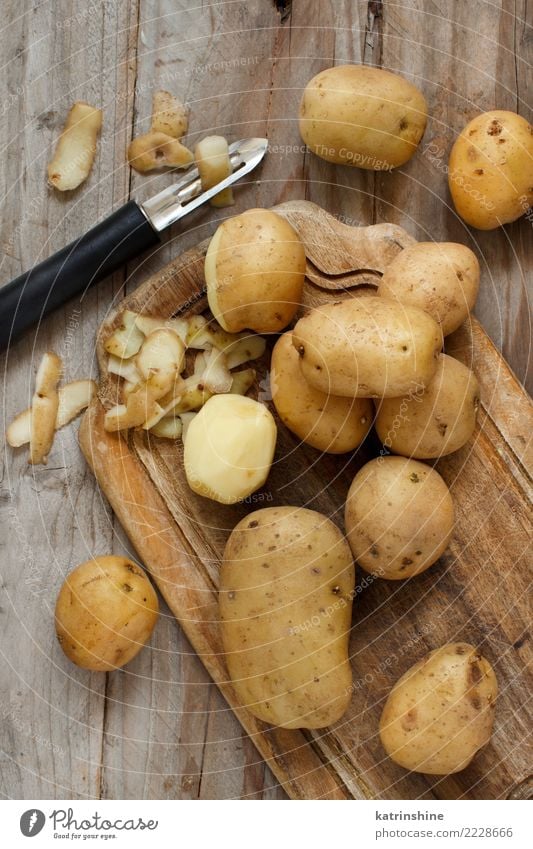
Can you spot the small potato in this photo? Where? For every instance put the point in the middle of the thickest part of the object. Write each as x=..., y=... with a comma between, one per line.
x=254, y=270
x=440, y=713
x=440, y=278
x=74, y=154
x=367, y=348
x=229, y=448
x=436, y=421
x=105, y=613
x=362, y=116
x=490, y=171
x=286, y=592
x=399, y=517
x=327, y=422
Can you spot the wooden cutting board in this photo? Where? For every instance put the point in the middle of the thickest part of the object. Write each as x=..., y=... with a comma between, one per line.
x=477, y=592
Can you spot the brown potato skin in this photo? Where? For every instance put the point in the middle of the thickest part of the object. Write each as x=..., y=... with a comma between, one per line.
x=490, y=171
x=367, y=347
x=286, y=592
x=105, y=613
x=441, y=278
x=441, y=712
x=362, y=116
x=260, y=269
x=327, y=422
x=435, y=422
x=399, y=517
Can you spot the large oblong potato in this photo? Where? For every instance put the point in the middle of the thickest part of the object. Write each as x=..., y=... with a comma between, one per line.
x=327, y=422
x=441, y=712
x=441, y=278
x=105, y=613
x=254, y=270
x=490, y=171
x=286, y=591
x=399, y=517
x=362, y=116
x=435, y=422
x=367, y=347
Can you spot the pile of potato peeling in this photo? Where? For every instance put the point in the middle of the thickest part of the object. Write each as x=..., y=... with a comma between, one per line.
x=287, y=580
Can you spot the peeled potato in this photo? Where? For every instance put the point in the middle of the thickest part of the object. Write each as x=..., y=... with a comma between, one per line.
x=105, y=613
x=254, y=270
x=327, y=422
x=229, y=448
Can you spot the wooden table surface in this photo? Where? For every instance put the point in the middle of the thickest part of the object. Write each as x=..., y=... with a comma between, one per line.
x=159, y=728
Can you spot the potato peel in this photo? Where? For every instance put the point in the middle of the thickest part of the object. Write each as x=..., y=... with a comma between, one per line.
x=44, y=408
x=76, y=148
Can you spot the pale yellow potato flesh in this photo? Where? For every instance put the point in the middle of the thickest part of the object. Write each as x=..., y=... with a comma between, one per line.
x=490, y=171
x=441, y=712
x=162, y=352
x=367, y=347
x=436, y=421
x=229, y=448
x=72, y=399
x=441, y=278
x=254, y=270
x=44, y=407
x=105, y=613
x=74, y=154
x=211, y=155
x=362, y=116
x=327, y=422
x=157, y=150
x=285, y=598
x=399, y=517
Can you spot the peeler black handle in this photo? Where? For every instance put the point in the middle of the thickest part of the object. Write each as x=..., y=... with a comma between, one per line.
x=30, y=297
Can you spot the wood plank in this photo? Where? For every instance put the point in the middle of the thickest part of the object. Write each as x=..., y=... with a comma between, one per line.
x=52, y=713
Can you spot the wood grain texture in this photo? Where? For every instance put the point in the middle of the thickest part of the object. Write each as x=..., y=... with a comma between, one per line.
x=180, y=537
x=241, y=66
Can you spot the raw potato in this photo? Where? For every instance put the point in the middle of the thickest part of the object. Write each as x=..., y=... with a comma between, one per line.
x=74, y=154
x=44, y=407
x=72, y=399
x=362, y=116
x=169, y=115
x=440, y=278
x=367, y=347
x=105, y=613
x=326, y=422
x=157, y=150
x=254, y=270
x=286, y=592
x=435, y=422
x=399, y=517
x=440, y=713
x=212, y=158
x=229, y=448
x=490, y=171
